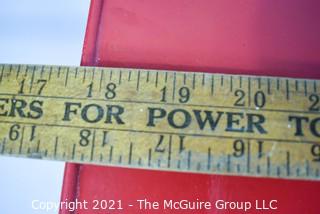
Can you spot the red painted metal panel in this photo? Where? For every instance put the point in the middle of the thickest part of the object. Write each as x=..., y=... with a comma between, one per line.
x=274, y=37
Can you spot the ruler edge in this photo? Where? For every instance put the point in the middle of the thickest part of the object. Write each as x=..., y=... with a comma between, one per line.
x=161, y=70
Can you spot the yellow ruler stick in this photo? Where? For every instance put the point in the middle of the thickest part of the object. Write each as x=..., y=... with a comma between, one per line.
x=152, y=119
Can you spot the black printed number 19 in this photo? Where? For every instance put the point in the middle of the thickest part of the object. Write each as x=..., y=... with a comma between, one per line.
x=184, y=94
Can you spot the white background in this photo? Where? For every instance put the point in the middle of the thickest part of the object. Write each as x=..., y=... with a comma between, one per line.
x=37, y=32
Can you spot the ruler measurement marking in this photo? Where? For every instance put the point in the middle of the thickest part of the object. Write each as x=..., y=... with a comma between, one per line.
x=258, y=169
x=130, y=154
x=25, y=71
x=38, y=146
x=174, y=87
x=148, y=74
x=50, y=73
x=32, y=79
x=129, y=76
x=59, y=71
x=269, y=86
x=268, y=165
x=3, y=145
x=259, y=82
x=278, y=171
x=278, y=84
x=110, y=76
x=203, y=79
x=138, y=81
x=179, y=164
x=41, y=72
x=231, y=84
x=110, y=154
x=73, y=151
x=55, y=147
x=149, y=157
x=194, y=81
x=238, y=168
x=1, y=75
x=189, y=160
x=139, y=161
x=288, y=163
x=10, y=70
x=305, y=88
x=314, y=86
x=248, y=157
x=93, y=145
x=168, y=133
x=212, y=75
x=287, y=90
x=21, y=141
x=18, y=71
x=157, y=76
x=212, y=84
x=228, y=163
x=291, y=141
x=307, y=168
x=218, y=166
x=9, y=73
x=101, y=79
x=84, y=75
x=76, y=73
x=66, y=79
x=166, y=77
x=169, y=151
x=296, y=85
x=93, y=74
x=209, y=159
x=120, y=76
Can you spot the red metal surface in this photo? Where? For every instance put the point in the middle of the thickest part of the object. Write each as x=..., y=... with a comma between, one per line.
x=274, y=37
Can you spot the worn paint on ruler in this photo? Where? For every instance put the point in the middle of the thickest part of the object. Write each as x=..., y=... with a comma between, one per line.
x=188, y=122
